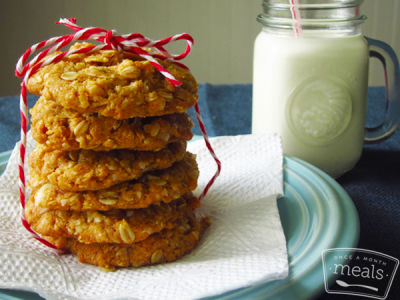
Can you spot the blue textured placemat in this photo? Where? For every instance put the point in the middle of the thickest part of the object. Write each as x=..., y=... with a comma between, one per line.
x=226, y=110
x=10, y=120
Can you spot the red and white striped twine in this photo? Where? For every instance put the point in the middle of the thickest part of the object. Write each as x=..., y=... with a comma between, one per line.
x=210, y=149
x=133, y=42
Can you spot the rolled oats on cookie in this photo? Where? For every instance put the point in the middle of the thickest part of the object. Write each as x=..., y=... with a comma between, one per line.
x=65, y=129
x=165, y=246
x=87, y=170
x=153, y=187
x=114, y=84
x=114, y=226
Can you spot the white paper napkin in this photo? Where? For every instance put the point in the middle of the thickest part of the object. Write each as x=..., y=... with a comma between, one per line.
x=245, y=244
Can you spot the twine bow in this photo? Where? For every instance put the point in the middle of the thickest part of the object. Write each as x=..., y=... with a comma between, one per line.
x=133, y=42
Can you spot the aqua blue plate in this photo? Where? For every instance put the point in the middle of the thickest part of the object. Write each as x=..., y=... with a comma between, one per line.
x=316, y=214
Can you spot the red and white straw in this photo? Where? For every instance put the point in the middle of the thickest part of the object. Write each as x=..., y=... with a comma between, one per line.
x=296, y=18
x=133, y=42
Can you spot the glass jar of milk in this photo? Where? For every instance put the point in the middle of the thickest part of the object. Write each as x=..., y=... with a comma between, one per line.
x=311, y=79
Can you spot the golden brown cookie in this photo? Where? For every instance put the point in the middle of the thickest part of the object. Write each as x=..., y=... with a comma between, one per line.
x=152, y=188
x=65, y=129
x=165, y=246
x=85, y=170
x=115, y=84
x=114, y=226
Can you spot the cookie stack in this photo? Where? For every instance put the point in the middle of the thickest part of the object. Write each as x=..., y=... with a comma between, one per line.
x=111, y=178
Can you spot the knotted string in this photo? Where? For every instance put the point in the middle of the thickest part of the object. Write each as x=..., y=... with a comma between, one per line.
x=108, y=39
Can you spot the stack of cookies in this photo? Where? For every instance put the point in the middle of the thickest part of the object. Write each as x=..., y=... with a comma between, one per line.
x=111, y=178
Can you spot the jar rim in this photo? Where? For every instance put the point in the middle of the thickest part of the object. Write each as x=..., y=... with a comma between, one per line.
x=269, y=21
x=312, y=14
x=307, y=4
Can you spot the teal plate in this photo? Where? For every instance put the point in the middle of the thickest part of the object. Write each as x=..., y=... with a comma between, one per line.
x=316, y=214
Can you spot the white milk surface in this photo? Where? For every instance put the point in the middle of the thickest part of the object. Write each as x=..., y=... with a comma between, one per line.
x=312, y=91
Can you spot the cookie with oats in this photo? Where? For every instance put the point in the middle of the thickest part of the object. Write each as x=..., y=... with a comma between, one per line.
x=113, y=226
x=152, y=188
x=115, y=84
x=86, y=170
x=165, y=246
x=65, y=129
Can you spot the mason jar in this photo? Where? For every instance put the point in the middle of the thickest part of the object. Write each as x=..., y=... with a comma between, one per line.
x=310, y=81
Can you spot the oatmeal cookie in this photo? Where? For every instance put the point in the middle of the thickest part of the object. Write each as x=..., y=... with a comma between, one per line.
x=115, y=84
x=165, y=246
x=84, y=170
x=113, y=226
x=65, y=129
x=152, y=188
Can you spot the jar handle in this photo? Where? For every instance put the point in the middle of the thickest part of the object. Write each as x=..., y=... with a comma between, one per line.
x=388, y=58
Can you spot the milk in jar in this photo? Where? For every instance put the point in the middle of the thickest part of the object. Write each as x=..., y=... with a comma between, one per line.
x=310, y=80
x=312, y=90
